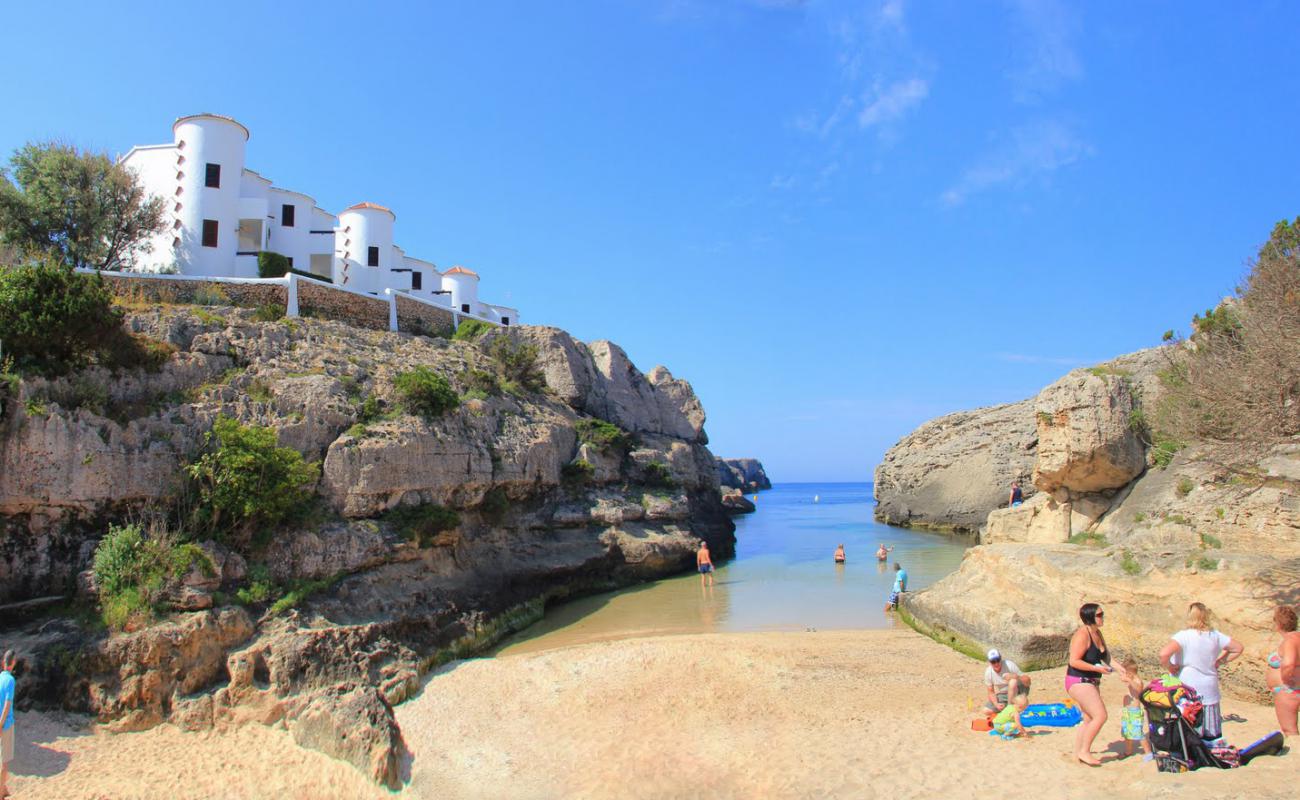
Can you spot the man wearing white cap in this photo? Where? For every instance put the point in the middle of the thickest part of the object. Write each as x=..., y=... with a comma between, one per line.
x=1004, y=681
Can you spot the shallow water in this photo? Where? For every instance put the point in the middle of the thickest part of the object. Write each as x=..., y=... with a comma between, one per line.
x=782, y=578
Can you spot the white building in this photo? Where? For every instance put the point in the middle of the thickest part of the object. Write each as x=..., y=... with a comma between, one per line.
x=220, y=215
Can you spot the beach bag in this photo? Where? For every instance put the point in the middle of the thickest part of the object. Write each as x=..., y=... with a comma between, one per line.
x=1171, y=763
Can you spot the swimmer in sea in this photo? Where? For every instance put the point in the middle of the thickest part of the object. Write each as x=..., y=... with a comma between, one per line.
x=839, y=554
x=882, y=553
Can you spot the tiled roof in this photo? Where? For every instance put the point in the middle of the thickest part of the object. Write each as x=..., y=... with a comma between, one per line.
x=374, y=206
x=461, y=271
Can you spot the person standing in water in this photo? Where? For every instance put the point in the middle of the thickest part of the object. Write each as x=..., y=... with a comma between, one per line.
x=900, y=586
x=839, y=554
x=704, y=564
x=882, y=552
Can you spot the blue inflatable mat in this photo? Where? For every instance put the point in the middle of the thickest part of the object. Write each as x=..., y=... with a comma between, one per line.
x=1051, y=715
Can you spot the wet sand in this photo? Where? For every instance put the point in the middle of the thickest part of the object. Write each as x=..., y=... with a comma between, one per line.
x=858, y=714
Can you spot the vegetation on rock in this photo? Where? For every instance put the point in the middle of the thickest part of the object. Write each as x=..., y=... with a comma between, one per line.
x=425, y=392
x=517, y=361
x=133, y=570
x=470, y=329
x=246, y=480
x=604, y=436
x=422, y=524
x=1236, y=383
x=577, y=472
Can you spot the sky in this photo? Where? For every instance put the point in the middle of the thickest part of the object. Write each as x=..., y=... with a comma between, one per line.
x=835, y=219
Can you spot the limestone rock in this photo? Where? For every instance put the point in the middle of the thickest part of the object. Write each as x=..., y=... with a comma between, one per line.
x=735, y=502
x=1041, y=520
x=353, y=723
x=952, y=471
x=332, y=549
x=1086, y=441
x=745, y=474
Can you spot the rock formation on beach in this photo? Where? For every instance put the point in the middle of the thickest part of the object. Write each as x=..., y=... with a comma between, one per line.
x=540, y=513
x=1112, y=523
x=745, y=474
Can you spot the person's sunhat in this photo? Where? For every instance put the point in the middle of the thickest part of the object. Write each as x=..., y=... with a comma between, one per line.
x=994, y=655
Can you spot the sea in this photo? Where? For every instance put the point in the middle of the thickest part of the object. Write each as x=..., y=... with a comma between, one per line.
x=783, y=578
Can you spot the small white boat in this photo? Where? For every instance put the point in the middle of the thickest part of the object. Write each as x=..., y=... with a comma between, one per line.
x=817, y=498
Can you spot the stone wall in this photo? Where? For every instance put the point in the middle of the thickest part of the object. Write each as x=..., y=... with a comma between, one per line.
x=414, y=316
x=134, y=289
x=315, y=300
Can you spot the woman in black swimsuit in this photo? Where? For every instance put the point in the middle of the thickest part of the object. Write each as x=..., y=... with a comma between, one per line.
x=1089, y=660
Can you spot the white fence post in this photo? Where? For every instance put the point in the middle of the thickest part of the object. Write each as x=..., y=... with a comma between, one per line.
x=291, y=299
x=392, y=309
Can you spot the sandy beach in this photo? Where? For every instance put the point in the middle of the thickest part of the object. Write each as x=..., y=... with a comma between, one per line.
x=817, y=714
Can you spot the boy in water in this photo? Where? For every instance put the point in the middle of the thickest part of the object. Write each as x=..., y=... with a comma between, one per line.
x=900, y=586
x=705, y=564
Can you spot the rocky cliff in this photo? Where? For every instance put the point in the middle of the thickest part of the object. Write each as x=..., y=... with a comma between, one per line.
x=745, y=474
x=542, y=514
x=1111, y=523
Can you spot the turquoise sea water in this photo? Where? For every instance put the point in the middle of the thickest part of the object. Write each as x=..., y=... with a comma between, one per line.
x=782, y=578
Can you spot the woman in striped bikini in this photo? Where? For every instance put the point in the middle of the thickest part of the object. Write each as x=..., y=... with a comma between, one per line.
x=1283, y=674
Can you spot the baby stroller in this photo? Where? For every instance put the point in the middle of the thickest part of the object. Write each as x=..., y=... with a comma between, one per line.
x=1173, y=713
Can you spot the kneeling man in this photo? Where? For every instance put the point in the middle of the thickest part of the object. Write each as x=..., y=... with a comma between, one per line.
x=1004, y=681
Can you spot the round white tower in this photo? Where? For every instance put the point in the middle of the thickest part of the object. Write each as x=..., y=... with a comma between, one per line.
x=210, y=163
x=463, y=285
x=365, y=247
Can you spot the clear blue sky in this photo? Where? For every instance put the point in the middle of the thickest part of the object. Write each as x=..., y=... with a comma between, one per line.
x=836, y=220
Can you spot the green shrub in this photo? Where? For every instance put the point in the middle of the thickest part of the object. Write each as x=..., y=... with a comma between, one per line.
x=576, y=472
x=133, y=570
x=422, y=524
x=604, y=436
x=1129, y=564
x=1177, y=519
x=1184, y=486
x=1163, y=450
x=1137, y=421
x=1139, y=516
x=518, y=364
x=54, y=319
x=470, y=329
x=271, y=265
x=270, y=312
x=480, y=383
x=259, y=390
x=300, y=590
x=494, y=504
x=35, y=407
x=1210, y=541
x=425, y=392
x=1218, y=512
x=1203, y=563
x=1089, y=539
x=260, y=588
x=1044, y=419
x=246, y=480
x=369, y=410
x=657, y=474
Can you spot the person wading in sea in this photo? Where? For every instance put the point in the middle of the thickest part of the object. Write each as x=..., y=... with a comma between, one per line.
x=704, y=564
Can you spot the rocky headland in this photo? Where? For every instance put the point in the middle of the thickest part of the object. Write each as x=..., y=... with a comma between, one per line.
x=539, y=510
x=745, y=474
x=1110, y=517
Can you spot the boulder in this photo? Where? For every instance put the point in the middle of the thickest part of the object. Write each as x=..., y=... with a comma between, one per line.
x=351, y=722
x=1040, y=520
x=735, y=502
x=1086, y=437
x=952, y=471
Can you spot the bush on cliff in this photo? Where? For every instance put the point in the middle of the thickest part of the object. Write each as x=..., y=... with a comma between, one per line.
x=246, y=480
x=55, y=319
x=422, y=524
x=470, y=329
x=577, y=472
x=133, y=570
x=604, y=436
x=518, y=364
x=1238, y=383
x=425, y=392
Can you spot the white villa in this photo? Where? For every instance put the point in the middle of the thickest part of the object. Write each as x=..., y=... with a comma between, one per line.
x=221, y=215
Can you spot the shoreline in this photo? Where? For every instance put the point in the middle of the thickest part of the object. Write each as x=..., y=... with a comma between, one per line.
x=859, y=713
